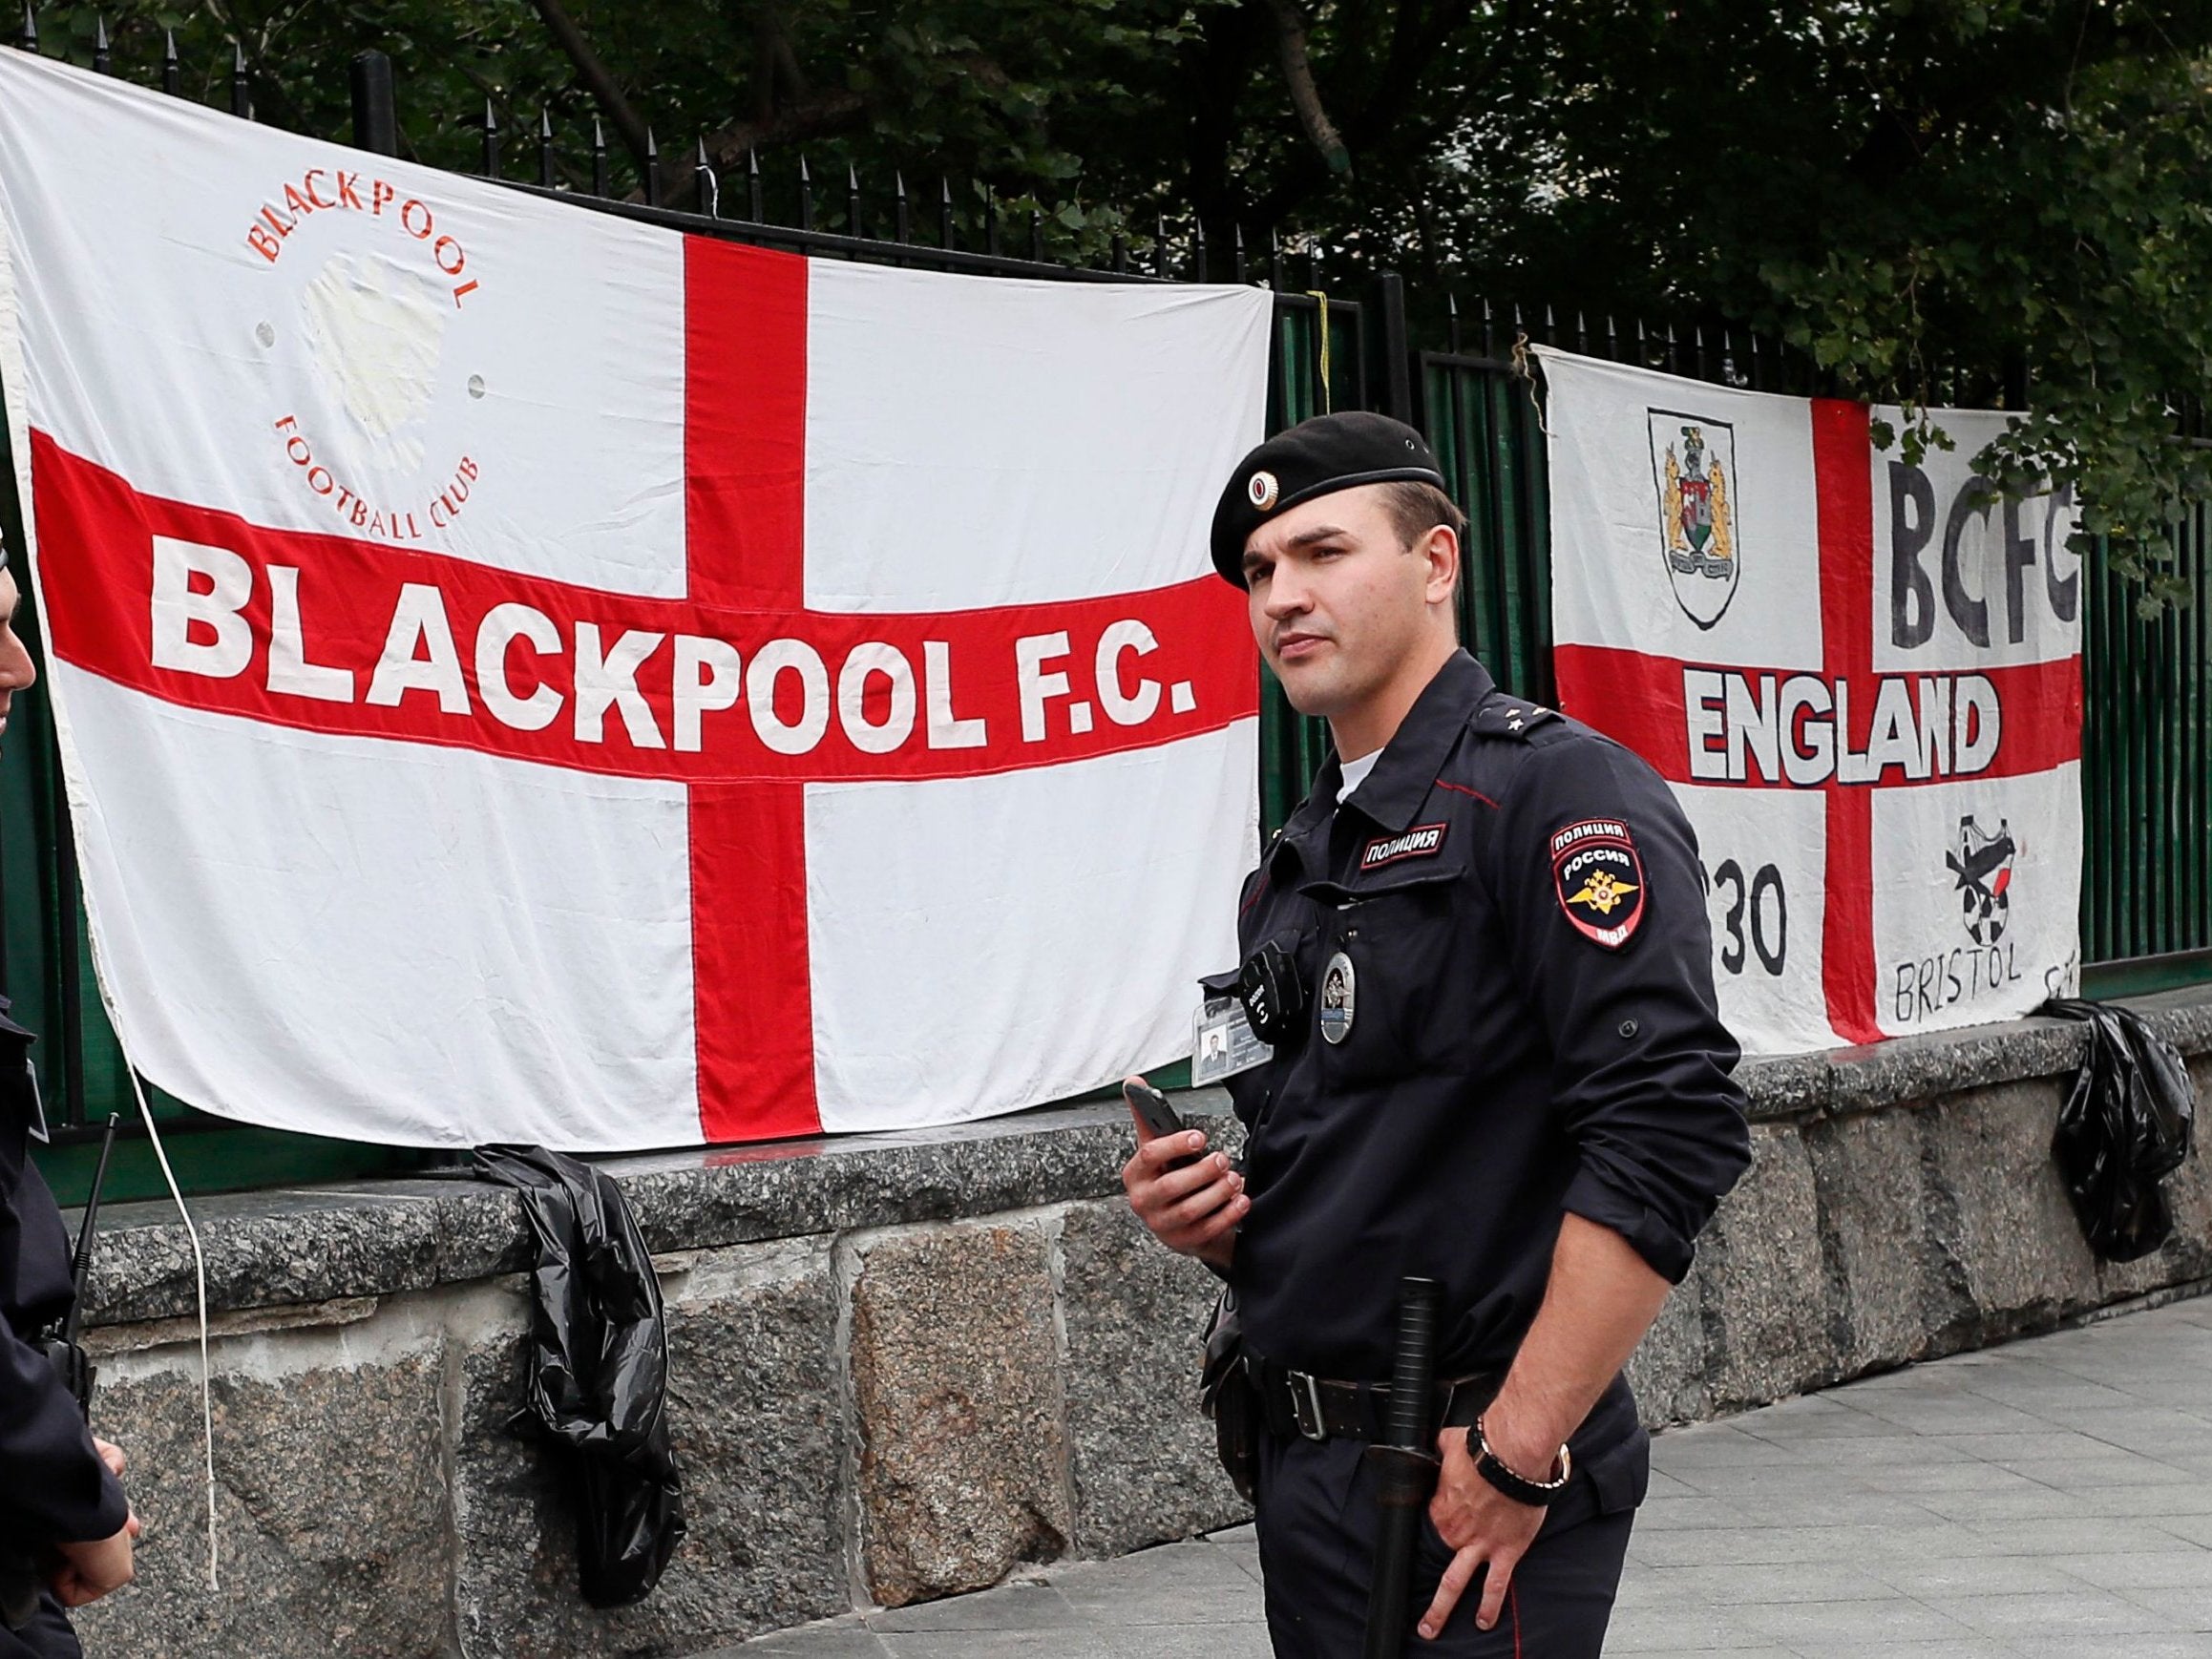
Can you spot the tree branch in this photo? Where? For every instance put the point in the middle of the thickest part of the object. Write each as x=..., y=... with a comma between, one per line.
x=596, y=79
x=1305, y=96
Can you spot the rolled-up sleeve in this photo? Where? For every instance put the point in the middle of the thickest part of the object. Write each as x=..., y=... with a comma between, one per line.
x=1611, y=939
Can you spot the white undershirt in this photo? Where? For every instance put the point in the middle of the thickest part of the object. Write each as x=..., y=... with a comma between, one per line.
x=1355, y=773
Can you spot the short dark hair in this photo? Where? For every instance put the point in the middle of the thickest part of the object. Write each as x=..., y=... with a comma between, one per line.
x=1415, y=509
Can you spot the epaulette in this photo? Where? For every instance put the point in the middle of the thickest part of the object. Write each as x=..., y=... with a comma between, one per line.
x=1513, y=718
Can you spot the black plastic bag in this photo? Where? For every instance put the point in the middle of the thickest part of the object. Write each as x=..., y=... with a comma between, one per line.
x=2127, y=1124
x=598, y=1368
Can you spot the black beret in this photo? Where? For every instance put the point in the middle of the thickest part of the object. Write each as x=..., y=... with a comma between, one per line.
x=1316, y=458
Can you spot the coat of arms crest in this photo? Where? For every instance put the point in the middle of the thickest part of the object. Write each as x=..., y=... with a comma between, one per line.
x=1694, y=467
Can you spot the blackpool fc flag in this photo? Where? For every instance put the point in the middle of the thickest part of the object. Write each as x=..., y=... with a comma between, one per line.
x=526, y=675
x=1860, y=674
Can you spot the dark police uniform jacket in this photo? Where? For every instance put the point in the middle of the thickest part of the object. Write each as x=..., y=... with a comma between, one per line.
x=53, y=1484
x=1516, y=903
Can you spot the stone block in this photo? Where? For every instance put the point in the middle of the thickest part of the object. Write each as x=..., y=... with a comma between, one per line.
x=1761, y=1281
x=2188, y=1253
x=1887, y=1287
x=752, y=1402
x=1142, y=1452
x=1668, y=1368
x=1786, y=1085
x=331, y=1499
x=955, y=1365
x=1999, y=1214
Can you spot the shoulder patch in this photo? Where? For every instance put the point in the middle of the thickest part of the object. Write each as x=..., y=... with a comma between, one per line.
x=1510, y=717
x=1422, y=841
x=1598, y=879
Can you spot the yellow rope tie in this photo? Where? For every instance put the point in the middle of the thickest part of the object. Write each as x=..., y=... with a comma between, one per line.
x=1322, y=299
x=1524, y=368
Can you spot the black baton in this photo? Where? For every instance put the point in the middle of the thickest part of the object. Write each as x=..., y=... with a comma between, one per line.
x=1405, y=1466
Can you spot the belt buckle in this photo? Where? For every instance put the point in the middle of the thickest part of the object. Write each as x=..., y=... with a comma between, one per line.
x=1306, y=1404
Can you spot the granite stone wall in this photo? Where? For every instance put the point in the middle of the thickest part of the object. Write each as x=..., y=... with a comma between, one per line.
x=903, y=1367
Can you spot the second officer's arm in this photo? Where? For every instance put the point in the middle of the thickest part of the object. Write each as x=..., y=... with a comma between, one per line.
x=1641, y=1087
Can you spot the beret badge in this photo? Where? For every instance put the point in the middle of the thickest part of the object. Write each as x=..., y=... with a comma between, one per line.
x=1263, y=489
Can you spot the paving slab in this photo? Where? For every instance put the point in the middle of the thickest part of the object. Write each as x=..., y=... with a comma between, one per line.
x=2048, y=1500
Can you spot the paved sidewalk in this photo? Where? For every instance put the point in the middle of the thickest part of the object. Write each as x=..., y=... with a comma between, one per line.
x=2048, y=1500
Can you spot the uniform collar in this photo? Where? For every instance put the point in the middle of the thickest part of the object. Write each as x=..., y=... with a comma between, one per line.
x=1401, y=779
x=1416, y=752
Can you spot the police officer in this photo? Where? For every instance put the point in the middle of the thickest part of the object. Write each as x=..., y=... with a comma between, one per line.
x=1480, y=952
x=63, y=1514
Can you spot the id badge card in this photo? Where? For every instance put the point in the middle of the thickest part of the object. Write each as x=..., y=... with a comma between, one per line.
x=1223, y=1044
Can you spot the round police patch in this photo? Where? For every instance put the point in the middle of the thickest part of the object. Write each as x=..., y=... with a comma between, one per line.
x=1340, y=998
x=1600, y=880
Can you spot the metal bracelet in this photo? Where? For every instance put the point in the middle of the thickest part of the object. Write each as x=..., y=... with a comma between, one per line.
x=1564, y=1463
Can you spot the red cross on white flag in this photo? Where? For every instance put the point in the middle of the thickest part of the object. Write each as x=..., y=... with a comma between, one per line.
x=1861, y=676
x=526, y=675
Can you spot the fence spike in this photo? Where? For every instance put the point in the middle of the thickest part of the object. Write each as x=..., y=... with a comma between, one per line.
x=599, y=157
x=900, y=213
x=1756, y=377
x=1237, y=247
x=1159, y=245
x=1120, y=255
x=490, y=140
x=990, y=221
x=1551, y=324
x=1036, y=237
x=1520, y=328
x=545, y=173
x=752, y=186
x=1674, y=353
x=30, y=29
x=172, y=68
x=652, y=170
x=1489, y=329
x=1613, y=339
x=240, y=89
x=1581, y=332
x=1697, y=351
x=1275, y=261
x=944, y=211
x=709, y=186
x=806, y=194
x=101, y=61
x=1728, y=357
x=1198, y=249
x=1451, y=314
x=852, y=226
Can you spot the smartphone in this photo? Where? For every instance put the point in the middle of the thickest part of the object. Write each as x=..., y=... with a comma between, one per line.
x=1153, y=1110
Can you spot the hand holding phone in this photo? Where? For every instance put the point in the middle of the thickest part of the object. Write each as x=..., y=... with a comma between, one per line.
x=1191, y=1199
x=1155, y=1112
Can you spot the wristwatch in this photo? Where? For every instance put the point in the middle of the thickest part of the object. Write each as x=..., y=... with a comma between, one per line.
x=1536, y=1494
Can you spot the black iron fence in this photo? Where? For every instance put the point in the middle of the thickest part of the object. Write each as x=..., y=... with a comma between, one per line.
x=1338, y=342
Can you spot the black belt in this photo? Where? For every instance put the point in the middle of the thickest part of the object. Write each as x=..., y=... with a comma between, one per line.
x=1321, y=1408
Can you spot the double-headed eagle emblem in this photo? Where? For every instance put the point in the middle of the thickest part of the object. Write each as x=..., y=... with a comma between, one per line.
x=1602, y=892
